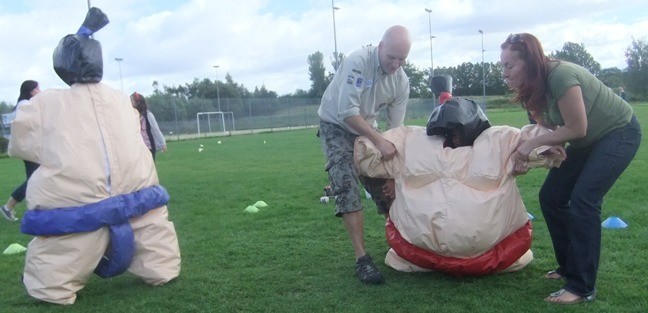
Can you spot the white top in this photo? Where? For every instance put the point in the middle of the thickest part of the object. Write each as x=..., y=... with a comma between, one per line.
x=9, y=117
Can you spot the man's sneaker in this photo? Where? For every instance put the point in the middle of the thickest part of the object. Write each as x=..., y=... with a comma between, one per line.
x=8, y=213
x=367, y=271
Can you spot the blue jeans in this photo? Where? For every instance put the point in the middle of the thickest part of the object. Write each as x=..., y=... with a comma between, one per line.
x=571, y=199
x=19, y=193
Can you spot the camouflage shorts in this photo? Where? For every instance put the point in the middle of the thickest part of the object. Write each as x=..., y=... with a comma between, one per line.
x=337, y=145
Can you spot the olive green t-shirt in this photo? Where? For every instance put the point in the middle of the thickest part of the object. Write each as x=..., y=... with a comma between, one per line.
x=605, y=110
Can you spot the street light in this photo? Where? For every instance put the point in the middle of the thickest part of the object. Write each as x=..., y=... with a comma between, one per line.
x=119, y=60
x=483, y=71
x=431, y=37
x=217, y=91
x=337, y=62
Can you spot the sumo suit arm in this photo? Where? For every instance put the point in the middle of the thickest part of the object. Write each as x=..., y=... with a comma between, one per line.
x=27, y=132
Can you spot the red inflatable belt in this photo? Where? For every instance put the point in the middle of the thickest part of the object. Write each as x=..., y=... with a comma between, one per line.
x=501, y=256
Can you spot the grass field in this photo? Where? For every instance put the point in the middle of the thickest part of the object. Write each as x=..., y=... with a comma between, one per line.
x=294, y=256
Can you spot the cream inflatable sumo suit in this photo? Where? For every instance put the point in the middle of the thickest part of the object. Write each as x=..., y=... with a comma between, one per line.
x=95, y=203
x=456, y=210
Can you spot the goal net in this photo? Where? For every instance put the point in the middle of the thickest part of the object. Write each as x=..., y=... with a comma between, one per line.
x=214, y=122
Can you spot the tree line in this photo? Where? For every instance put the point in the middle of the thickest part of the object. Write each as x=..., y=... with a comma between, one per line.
x=184, y=101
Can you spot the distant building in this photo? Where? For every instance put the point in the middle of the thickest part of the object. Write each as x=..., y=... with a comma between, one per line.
x=6, y=126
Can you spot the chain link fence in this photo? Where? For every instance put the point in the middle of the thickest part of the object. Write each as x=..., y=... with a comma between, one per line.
x=247, y=116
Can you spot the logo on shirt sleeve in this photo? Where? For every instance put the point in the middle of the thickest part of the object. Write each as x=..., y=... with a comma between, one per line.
x=358, y=82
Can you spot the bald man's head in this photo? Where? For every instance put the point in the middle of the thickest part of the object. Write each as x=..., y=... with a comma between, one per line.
x=394, y=48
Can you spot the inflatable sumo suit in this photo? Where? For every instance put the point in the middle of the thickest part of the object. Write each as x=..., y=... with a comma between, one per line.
x=95, y=203
x=456, y=210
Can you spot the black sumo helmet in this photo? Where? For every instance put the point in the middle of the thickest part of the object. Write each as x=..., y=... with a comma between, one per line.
x=78, y=57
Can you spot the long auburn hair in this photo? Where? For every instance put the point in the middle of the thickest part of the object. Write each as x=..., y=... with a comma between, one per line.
x=532, y=92
x=139, y=103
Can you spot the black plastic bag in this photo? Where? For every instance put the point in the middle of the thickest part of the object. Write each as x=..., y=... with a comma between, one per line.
x=94, y=21
x=459, y=120
x=78, y=58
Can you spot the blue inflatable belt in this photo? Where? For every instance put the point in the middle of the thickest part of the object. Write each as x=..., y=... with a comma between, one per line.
x=114, y=212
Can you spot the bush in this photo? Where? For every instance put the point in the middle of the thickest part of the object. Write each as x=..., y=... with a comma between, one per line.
x=4, y=143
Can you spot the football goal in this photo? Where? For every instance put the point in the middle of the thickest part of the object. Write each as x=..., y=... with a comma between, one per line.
x=222, y=119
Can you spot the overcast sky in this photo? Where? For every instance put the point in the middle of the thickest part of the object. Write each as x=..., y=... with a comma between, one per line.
x=267, y=42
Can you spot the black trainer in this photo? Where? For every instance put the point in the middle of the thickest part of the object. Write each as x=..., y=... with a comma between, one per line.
x=367, y=271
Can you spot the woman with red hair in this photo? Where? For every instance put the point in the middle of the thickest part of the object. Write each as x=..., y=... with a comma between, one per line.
x=603, y=136
x=149, y=128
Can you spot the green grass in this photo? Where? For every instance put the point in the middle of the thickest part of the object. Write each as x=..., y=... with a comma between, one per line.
x=295, y=256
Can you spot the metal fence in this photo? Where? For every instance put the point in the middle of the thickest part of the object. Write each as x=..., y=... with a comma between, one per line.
x=261, y=115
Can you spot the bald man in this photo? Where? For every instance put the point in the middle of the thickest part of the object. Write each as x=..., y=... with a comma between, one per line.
x=367, y=81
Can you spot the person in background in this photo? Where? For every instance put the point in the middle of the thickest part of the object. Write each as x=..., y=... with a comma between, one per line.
x=603, y=136
x=623, y=94
x=149, y=129
x=28, y=89
x=368, y=80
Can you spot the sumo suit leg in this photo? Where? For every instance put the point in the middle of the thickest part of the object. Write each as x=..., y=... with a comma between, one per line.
x=157, y=254
x=56, y=267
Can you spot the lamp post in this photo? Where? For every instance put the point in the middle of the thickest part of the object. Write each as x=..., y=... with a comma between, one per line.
x=337, y=62
x=119, y=60
x=175, y=113
x=217, y=91
x=483, y=70
x=431, y=37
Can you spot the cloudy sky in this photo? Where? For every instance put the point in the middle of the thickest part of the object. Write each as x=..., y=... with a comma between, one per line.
x=267, y=42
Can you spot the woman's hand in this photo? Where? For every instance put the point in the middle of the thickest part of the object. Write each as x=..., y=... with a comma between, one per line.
x=521, y=159
x=520, y=163
x=557, y=151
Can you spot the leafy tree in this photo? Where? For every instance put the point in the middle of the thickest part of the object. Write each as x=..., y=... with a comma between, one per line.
x=263, y=93
x=5, y=107
x=300, y=93
x=178, y=91
x=418, y=81
x=233, y=89
x=637, y=70
x=576, y=53
x=340, y=60
x=156, y=87
x=495, y=84
x=166, y=106
x=318, y=77
x=612, y=77
x=466, y=79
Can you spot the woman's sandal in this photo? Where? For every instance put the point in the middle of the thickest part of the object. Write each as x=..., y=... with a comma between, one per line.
x=553, y=275
x=558, y=297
